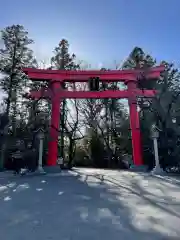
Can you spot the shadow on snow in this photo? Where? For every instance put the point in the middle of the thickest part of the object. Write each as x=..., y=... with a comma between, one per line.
x=88, y=206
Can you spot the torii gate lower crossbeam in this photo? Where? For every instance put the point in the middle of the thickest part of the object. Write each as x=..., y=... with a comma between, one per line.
x=56, y=94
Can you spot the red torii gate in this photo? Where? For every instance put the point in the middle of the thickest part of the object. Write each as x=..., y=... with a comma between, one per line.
x=56, y=93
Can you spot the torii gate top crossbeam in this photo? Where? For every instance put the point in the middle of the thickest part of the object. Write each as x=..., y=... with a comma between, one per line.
x=83, y=76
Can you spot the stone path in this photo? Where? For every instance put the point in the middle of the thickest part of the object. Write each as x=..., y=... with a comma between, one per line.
x=89, y=204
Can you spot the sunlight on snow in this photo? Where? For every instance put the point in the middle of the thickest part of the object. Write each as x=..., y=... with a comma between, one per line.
x=7, y=198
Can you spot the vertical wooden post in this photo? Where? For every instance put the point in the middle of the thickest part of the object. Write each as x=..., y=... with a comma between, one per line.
x=135, y=127
x=54, y=128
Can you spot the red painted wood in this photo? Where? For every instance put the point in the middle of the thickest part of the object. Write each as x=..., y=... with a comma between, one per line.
x=86, y=94
x=135, y=134
x=83, y=76
x=53, y=141
x=135, y=127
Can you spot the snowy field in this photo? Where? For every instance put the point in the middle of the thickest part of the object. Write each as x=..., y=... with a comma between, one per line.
x=89, y=204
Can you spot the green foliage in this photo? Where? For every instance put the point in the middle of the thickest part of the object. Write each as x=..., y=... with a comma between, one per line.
x=96, y=149
x=138, y=59
x=159, y=110
x=14, y=55
x=62, y=58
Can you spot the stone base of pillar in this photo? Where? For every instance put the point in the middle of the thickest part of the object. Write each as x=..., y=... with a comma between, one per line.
x=141, y=168
x=40, y=170
x=52, y=169
x=157, y=170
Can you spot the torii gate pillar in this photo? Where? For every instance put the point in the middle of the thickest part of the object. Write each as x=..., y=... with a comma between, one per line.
x=55, y=120
x=135, y=128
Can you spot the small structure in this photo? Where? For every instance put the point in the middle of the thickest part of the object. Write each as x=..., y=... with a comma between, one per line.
x=40, y=136
x=155, y=135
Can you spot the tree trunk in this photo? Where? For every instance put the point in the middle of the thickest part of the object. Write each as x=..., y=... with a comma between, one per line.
x=62, y=129
x=14, y=109
x=70, y=152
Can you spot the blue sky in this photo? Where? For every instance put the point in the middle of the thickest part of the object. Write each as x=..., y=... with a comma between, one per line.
x=99, y=31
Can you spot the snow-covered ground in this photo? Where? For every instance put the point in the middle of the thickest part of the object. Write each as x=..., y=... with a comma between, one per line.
x=89, y=204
